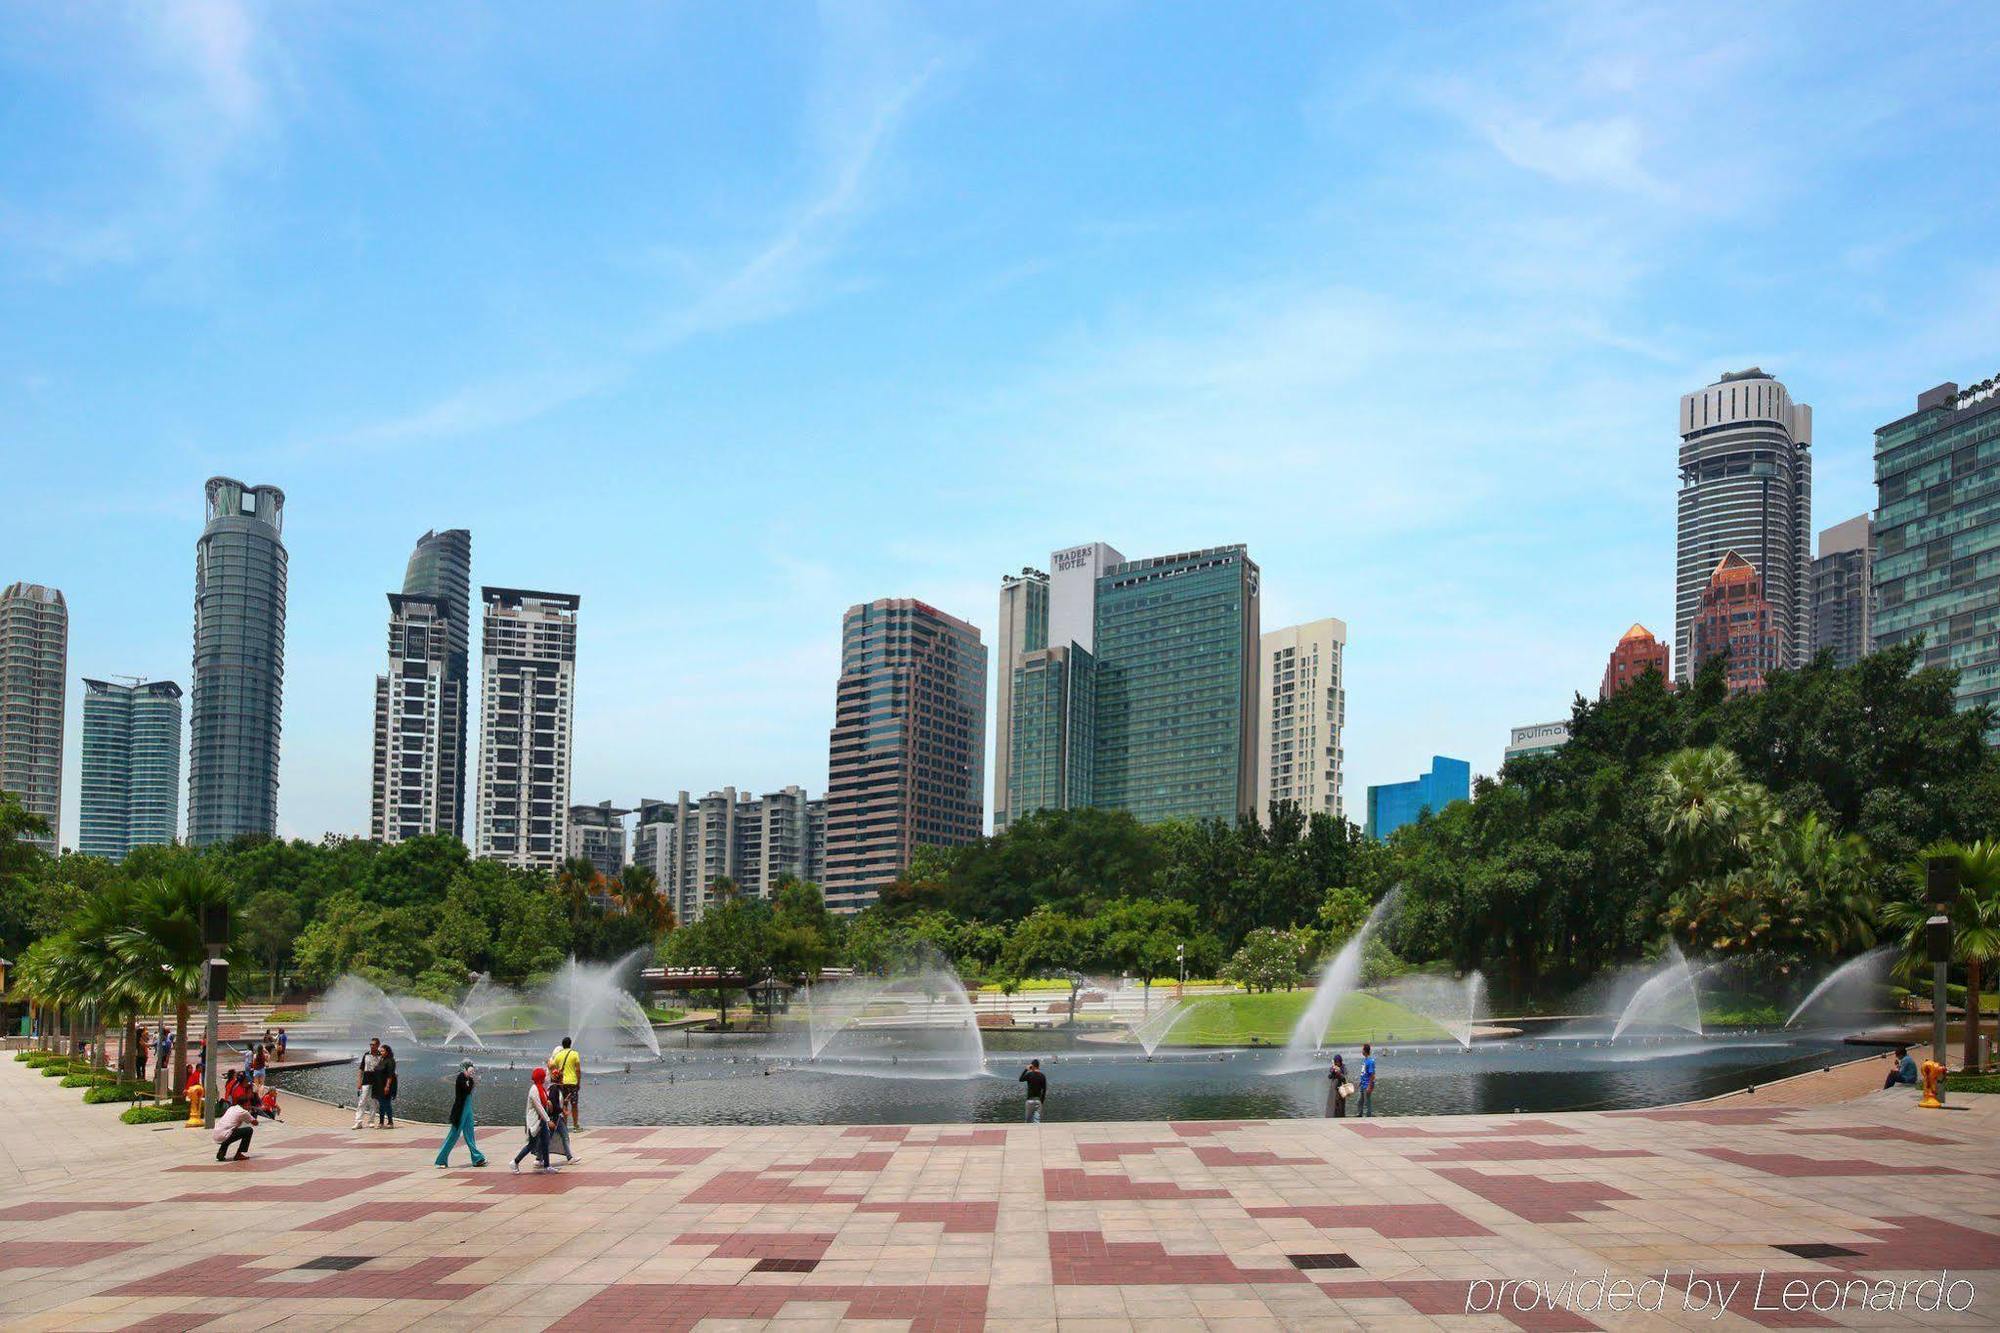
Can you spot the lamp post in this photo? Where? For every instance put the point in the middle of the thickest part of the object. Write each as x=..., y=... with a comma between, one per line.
x=1180, y=961
x=1941, y=887
x=214, y=984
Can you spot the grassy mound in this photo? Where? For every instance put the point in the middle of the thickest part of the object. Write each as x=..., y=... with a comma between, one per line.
x=1268, y=1019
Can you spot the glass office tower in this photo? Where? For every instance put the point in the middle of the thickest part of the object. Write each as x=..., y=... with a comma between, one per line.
x=1176, y=647
x=131, y=771
x=1937, y=536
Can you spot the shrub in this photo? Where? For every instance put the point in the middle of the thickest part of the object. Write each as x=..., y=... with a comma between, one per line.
x=25, y=1057
x=154, y=1113
x=36, y=1059
x=1966, y=1081
x=60, y=1068
x=277, y=1016
x=88, y=1078
x=115, y=1092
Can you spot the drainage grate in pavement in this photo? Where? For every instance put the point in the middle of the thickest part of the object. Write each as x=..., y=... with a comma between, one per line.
x=1817, y=1249
x=1311, y=1261
x=785, y=1265
x=337, y=1263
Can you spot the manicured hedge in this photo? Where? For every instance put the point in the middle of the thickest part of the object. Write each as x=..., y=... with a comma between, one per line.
x=88, y=1078
x=116, y=1092
x=155, y=1114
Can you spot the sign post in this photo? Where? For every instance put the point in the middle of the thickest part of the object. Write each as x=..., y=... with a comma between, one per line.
x=1941, y=887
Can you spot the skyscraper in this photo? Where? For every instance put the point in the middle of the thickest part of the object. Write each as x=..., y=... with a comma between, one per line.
x=1636, y=653
x=1052, y=722
x=526, y=709
x=1746, y=486
x=1842, y=588
x=131, y=788
x=419, y=726
x=1023, y=628
x=1074, y=573
x=907, y=751
x=441, y=567
x=1301, y=715
x=1737, y=618
x=1176, y=647
x=34, y=664
x=239, y=663
x=1394, y=804
x=1937, y=536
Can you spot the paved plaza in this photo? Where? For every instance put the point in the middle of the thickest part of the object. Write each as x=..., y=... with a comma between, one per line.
x=1387, y=1223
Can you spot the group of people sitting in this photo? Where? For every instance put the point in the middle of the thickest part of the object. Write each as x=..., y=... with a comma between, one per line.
x=244, y=1102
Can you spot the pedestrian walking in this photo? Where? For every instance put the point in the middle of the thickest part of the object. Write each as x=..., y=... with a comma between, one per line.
x=139, y=1058
x=1038, y=1090
x=559, y=1129
x=1338, y=1089
x=1366, y=1104
x=385, y=1088
x=282, y=1039
x=535, y=1119
x=257, y=1067
x=364, y=1081
x=461, y=1117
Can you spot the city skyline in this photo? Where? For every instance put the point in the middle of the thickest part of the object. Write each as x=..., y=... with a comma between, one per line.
x=1181, y=321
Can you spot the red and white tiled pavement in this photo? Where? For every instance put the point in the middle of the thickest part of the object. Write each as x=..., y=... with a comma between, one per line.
x=1389, y=1223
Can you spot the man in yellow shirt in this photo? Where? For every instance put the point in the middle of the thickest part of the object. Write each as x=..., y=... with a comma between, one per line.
x=566, y=1072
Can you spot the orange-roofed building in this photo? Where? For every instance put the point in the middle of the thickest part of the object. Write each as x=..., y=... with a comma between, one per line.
x=1736, y=618
x=1637, y=653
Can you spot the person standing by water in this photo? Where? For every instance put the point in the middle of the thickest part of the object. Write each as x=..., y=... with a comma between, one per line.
x=566, y=1070
x=385, y=1088
x=1038, y=1090
x=364, y=1079
x=1367, y=1085
x=1337, y=1089
x=536, y=1121
x=281, y=1043
x=461, y=1117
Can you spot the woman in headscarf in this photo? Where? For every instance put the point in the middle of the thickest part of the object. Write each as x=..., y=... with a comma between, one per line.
x=1336, y=1090
x=536, y=1120
x=461, y=1117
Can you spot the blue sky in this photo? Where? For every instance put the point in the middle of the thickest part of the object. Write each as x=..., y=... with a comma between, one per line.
x=728, y=316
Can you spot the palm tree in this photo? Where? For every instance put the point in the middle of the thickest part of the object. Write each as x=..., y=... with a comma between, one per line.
x=102, y=975
x=164, y=947
x=575, y=883
x=1975, y=923
x=639, y=893
x=1707, y=811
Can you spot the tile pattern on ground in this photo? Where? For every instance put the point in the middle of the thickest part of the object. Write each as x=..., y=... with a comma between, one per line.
x=1282, y=1224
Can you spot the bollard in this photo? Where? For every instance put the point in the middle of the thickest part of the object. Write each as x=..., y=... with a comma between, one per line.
x=1933, y=1072
x=195, y=1103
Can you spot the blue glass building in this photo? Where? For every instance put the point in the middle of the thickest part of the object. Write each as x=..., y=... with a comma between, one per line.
x=1395, y=804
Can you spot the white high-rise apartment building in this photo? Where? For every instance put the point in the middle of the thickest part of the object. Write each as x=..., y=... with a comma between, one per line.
x=1746, y=487
x=34, y=666
x=754, y=841
x=1301, y=713
x=1024, y=628
x=526, y=709
x=419, y=712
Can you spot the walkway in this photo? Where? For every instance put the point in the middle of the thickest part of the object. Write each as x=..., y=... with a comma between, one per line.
x=1394, y=1223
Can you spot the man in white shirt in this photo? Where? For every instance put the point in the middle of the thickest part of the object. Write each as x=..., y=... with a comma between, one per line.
x=234, y=1126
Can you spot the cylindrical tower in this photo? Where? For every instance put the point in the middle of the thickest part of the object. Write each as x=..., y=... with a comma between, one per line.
x=239, y=663
x=1746, y=486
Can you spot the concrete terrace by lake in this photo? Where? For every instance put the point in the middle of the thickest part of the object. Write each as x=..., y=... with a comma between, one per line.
x=1389, y=1223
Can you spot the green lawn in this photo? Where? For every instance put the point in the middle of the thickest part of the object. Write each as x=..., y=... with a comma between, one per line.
x=1239, y=1020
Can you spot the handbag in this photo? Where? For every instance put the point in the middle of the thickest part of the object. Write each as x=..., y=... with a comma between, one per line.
x=1346, y=1090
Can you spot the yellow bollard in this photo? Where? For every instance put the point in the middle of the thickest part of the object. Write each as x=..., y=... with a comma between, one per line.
x=1933, y=1072
x=194, y=1106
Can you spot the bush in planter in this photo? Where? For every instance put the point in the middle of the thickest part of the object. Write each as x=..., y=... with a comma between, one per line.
x=154, y=1113
x=36, y=1059
x=60, y=1068
x=23, y=1057
x=88, y=1078
x=116, y=1092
